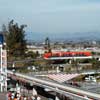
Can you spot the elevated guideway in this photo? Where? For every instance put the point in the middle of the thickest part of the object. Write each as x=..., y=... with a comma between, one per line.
x=66, y=90
x=62, y=58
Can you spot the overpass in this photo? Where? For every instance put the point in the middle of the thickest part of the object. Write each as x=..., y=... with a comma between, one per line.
x=57, y=87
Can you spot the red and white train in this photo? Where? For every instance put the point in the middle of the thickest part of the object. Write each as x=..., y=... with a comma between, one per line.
x=68, y=55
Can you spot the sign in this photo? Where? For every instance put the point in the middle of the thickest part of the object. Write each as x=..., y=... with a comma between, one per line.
x=1, y=39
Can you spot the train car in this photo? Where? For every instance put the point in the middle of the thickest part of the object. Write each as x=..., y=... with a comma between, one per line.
x=68, y=55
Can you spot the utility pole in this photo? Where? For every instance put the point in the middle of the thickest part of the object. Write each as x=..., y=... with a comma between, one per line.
x=3, y=66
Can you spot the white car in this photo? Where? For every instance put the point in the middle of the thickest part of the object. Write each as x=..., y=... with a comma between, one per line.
x=90, y=78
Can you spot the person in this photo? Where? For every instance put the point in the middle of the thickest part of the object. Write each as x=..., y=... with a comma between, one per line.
x=25, y=98
x=86, y=97
x=12, y=96
x=18, y=95
x=21, y=98
x=15, y=98
x=38, y=98
x=34, y=98
x=9, y=95
x=56, y=98
x=34, y=92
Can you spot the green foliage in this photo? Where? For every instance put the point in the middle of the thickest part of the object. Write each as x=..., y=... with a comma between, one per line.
x=47, y=44
x=95, y=64
x=93, y=53
x=31, y=54
x=15, y=39
x=85, y=60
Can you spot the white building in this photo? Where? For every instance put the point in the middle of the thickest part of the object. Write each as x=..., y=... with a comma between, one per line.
x=3, y=69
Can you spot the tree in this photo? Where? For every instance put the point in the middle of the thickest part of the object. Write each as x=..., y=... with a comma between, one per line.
x=32, y=55
x=95, y=64
x=47, y=44
x=15, y=39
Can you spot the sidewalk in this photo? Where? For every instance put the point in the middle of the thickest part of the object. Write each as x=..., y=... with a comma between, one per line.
x=3, y=96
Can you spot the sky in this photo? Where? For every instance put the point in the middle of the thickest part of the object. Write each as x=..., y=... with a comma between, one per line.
x=52, y=16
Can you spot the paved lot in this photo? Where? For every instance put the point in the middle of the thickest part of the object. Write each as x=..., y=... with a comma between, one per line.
x=92, y=87
x=3, y=96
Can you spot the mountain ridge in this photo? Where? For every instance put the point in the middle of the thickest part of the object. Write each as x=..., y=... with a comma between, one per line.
x=63, y=36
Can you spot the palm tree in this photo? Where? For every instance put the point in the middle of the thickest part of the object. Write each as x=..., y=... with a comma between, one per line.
x=47, y=44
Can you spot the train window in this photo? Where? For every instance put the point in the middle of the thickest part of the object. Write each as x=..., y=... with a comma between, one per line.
x=83, y=54
x=80, y=54
x=68, y=55
x=64, y=55
x=77, y=54
x=55, y=55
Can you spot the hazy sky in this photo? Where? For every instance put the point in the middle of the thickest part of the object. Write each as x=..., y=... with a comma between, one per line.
x=53, y=16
